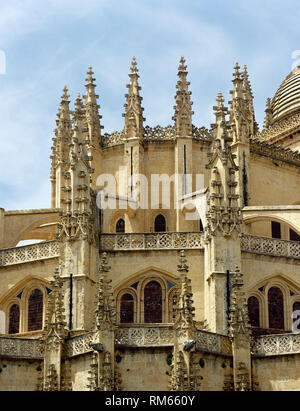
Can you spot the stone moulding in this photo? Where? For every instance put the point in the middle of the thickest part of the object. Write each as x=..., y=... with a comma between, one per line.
x=28, y=253
x=270, y=246
x=275, y=152
x=151, y=241
x=282, y=128
x=270, y=345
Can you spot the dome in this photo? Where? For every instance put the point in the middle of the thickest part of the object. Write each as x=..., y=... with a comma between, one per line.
x=287, y=98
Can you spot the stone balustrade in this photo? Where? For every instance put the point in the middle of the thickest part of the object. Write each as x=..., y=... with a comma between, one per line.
x=28, y=253
x=151, y=241
x=152, y=336
x=156, y=336
x=20, y=348
x=213, y=343
x=282, y=344
x=78, y=345
x=270, y=246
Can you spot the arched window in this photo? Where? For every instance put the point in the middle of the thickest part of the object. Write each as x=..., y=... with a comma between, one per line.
x=35, y=310
x=276, y=310
x=120, y=226
x=160, y=224
x=296, y=317
x=253, y=311
x=201, y=226
x=153, y=302
x=14, y=319
x=127, y=309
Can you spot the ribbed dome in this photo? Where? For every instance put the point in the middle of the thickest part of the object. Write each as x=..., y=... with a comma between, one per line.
x=287, y=98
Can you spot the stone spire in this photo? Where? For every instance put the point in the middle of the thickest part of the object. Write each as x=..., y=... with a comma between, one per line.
x=238, y=113
x=55, y=323
x=105, y=312
x=185, y=310
x=77, y=216
x=223, y=210
x=92, y=112
x=239, y=320
x=133, y=107
x=63, y=133
x=248, y=95
x=239, y=332
x=268, y=111
x=221, y=137
x=183, y=107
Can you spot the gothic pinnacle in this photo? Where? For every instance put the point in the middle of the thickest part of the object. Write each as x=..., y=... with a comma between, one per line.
x=183, y=106
x=133, y=107
x=268, y=111
x=92, y=111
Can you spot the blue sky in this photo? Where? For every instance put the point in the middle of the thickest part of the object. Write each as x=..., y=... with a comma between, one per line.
x=50, y=43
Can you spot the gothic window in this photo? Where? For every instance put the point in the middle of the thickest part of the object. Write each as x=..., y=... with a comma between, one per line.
x=294, y=236
x=127, y=309
x=153, y=303
x=201, y=226
x=276, y=310
x=120, y=226
x=253, y=311
x=276, y=230
x=35, y=310
x=296, y=316
x=160, y=224
x=14, y=319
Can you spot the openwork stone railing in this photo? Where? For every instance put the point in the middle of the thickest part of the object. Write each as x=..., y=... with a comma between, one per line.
x=144, y=336
x=20, y=348
x=113, y=139
x=27, y=253
x=213, y=343
x=78, y=345
x=276, y=345
x=155, y=134
x=155, y=241
x=270, y=246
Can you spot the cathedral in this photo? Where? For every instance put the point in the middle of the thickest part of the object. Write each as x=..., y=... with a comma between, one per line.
x=169, y=257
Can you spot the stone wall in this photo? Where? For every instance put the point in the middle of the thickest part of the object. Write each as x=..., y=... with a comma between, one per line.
x=19, y=375
x=277, y=373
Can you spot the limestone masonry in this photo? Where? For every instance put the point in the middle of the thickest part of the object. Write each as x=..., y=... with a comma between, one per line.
x=201, y=292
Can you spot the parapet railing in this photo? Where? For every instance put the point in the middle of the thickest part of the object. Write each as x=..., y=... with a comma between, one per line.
x=270, y=246
x=162, y=336
x=27, y=253
x=213, y=343
x=156, y=134
x=20, y=348
x=151, y=241
x=152, y=336
x=280, y=344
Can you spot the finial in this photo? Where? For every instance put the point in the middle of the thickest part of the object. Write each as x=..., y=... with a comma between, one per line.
x=182, y=65
x=90, y=79
x=65, y=95
x=104, y=267
x=236, y=73
x=182, y=266
x=133, y=67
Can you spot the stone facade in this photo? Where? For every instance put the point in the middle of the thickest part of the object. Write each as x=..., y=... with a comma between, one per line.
x=195, y=290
